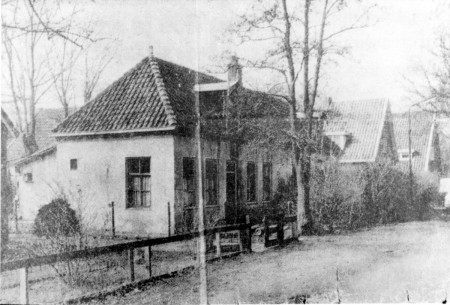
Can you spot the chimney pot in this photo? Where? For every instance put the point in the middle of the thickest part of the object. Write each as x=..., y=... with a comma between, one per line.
x=234, y=70
x=150, y=49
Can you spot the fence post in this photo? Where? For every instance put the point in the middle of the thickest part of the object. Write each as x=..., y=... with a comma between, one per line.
x=113, y=220
x=23, y=274
x=168, y=217
x=294, y=230
x=217, y=242
x=249, y=233
x=150, y=261
x=131, y=263
x=266, y=232
x=280, y=232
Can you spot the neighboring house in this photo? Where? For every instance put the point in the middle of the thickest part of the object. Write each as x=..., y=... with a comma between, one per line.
x=21, y=150
x=361, y=131
x=133, y=145
x=46, y=120
x=425, y=150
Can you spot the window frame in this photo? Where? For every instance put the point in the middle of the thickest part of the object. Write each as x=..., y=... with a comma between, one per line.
x=249, y=188
x=128, y=188
x=264, y=181
x=216, y=183
x=184, y=176
x=73, y=168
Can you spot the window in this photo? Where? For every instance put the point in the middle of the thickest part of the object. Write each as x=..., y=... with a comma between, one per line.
x=73, y=164
x=138, y=182
x=267, y=181
x=189, y=182
x=28, y=177
x=251, y=182
x=234, y=152
x=211, y=183
x=403, y=154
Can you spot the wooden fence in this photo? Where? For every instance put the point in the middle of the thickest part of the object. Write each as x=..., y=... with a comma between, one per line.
x=224, y=236
x=277, y=228
x=23, y=265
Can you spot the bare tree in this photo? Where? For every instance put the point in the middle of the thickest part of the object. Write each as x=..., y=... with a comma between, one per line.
x=296, y=39
x=93, y=69
x=43, y=22
x=27, y=78
x=434, y=96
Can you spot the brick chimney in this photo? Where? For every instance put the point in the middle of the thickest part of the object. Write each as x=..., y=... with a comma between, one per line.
x=234, y=70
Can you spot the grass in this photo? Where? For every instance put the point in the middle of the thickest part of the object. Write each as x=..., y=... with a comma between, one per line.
x=394, y=263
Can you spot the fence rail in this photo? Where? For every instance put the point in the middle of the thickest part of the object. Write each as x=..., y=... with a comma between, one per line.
x=55, y=258
x=243, y=237
x=23, y=265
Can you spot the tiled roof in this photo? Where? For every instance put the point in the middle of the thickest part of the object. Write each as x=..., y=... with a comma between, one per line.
x=364, y=121
x=152, y=95
x=421, y=125
x=46, y=120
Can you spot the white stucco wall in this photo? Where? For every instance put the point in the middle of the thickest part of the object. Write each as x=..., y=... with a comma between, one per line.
x=101, y=179
x=40, y=191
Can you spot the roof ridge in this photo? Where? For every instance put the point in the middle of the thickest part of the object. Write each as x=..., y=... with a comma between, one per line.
x=171, y=118
x=216, y=79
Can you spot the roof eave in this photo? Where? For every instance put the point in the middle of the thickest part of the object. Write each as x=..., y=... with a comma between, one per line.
x=380, y=131
x=358, y=161
x=97, y=133
x=36, y=155
x=430, y=144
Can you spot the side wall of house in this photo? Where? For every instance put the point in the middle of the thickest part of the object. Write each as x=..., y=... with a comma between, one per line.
x=100, y=178
x=37, y=185
x=185, y=147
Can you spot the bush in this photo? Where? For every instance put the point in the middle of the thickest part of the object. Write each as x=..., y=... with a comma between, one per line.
x=347, y=198
x=56, y=219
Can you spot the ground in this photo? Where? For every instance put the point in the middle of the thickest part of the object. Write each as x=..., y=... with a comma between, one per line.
x=394, y=263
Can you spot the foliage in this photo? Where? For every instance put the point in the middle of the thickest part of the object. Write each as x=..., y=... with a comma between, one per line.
x=56, y=219
x=349, y=197
x=6, y=207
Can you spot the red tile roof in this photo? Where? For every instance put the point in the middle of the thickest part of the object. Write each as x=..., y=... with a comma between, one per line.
x=150, y=96
x=421, y=128
x=364, y=121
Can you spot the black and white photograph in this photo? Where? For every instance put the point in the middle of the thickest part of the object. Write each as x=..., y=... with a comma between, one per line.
x=225, y=151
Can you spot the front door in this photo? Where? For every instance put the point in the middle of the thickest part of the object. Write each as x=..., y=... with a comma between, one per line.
x=230, y=204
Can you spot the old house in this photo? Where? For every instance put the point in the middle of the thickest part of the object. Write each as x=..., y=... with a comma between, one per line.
x=133, y=145
x=425, y=150
x=46, y=120
x=361, y=130
x=22, y=151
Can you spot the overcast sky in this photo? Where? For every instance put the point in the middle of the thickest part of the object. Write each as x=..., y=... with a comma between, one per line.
x=190, y=33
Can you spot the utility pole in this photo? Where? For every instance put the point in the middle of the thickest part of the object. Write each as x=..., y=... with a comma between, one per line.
x=411, y=197
x=201, y=213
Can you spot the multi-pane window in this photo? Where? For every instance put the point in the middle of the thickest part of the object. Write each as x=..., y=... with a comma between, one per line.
x=267, y=181
x=138, y=182
x=189, y=181
x=211, y=182
x=251, y=182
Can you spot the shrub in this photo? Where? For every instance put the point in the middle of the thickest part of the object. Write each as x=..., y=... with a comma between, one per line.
x=56, y=219
x=348, y=198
